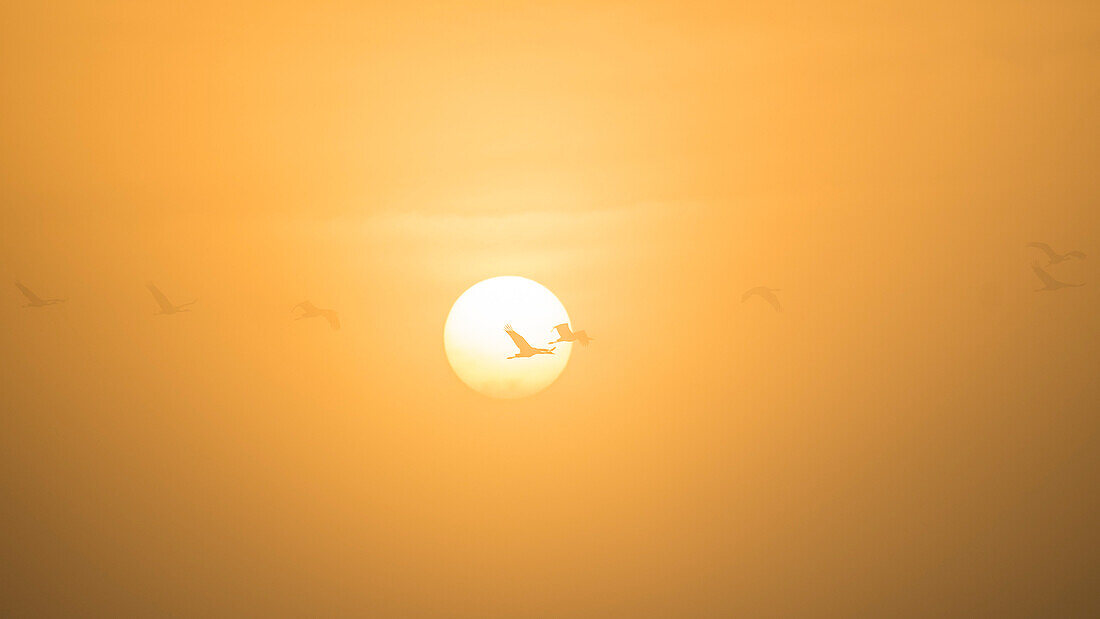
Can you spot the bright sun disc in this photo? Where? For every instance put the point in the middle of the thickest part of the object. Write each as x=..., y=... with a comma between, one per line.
x=478, y=348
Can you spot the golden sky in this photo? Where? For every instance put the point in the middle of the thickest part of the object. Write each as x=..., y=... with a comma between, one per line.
x=915, y=434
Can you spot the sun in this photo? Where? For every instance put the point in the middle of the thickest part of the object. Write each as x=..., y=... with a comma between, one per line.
x=478, y=348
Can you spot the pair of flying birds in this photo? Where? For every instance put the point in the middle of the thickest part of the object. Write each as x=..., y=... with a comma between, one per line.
x=309, y=310
x=564, y=335
x=166, y=306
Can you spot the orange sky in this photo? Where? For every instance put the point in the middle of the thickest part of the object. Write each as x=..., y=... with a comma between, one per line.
x=915, y=434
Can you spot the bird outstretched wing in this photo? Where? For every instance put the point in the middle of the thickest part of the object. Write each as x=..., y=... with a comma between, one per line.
x=332, y=318
x=770, y=297
x=763, y=293
x=517, y=338
x=162, y=300
x=1044, y=276
x=1046, y=248
x=307, y=306
x=33, y=298
x=563, y=330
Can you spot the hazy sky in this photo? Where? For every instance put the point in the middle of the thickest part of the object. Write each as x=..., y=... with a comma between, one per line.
x=914, y=434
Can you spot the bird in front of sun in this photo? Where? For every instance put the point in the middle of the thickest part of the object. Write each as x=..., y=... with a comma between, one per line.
x=310, y=310
x=479, y=353
x=525, y=349
x=768, y=294
x=1049, y=283
x=1055, y=257
x=566, y=335
x=166, y=306
x=34, y=300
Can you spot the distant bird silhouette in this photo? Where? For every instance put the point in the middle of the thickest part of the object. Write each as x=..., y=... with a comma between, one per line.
x=1049, y=282
x=1056, y=257
x=310, y=310
x=34, y=300
x=525, y=349
x=166, y=306
x=768, y=294
x=565, y=335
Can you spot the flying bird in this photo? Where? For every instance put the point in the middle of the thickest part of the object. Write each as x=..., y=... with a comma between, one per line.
x=34, y=300
x=565, y=335
x=166, y=306
x=1049, y=282
x=310, y=310
x=1056, y=257
x=525, y=349
x=768, y=294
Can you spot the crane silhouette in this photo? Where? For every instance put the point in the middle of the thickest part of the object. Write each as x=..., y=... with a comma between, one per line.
x=525, y=349
x=1055, y=257
x=166, y=306
x=1049, y=282
x=34, y=300
x=565, y=335
x=310, y=310
x=768, y=294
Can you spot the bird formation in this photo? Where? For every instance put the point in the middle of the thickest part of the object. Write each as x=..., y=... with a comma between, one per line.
x=1051, y=284
x=165, y=306
x=306, y=309
x=565, y=334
